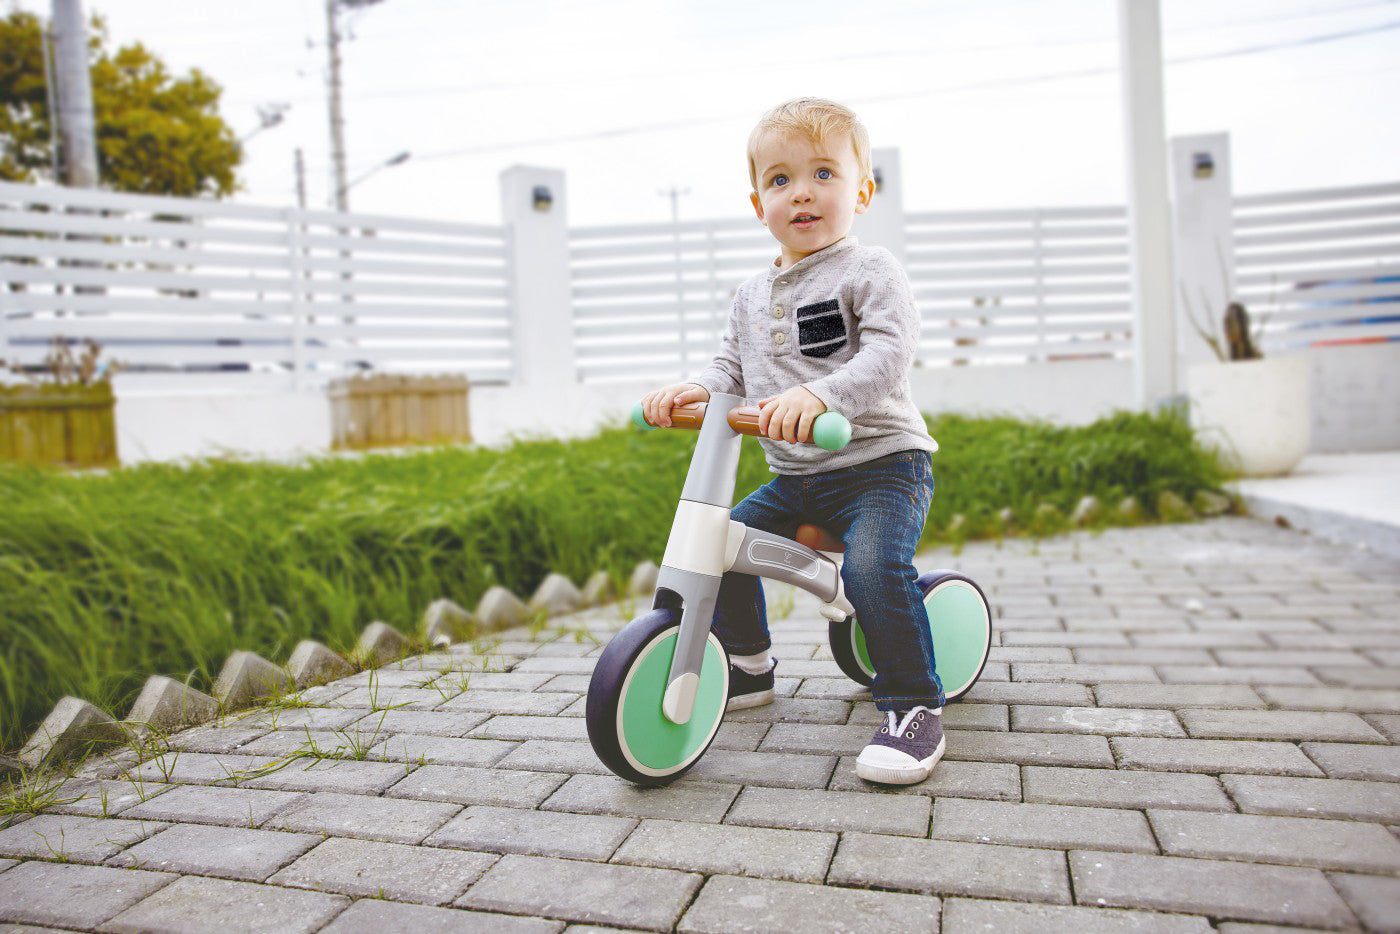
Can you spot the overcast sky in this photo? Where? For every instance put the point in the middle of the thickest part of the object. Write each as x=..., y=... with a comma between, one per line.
x=991, y=102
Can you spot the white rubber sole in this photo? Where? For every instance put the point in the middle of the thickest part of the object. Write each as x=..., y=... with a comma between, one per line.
x=911, y=774
x=756, y=699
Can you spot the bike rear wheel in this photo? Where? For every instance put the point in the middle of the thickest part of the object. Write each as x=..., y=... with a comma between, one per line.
x=960, y=623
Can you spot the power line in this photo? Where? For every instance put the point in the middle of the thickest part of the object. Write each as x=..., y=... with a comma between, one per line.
x=994, y=84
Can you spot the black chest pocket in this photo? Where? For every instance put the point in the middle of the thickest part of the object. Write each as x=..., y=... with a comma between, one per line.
x=821, y=331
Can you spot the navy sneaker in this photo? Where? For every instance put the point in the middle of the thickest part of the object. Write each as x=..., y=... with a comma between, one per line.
x=905, y=749
x=746, y=690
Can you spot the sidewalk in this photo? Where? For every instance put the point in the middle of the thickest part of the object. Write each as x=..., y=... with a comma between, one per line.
x=1348, y=498
x=1183, y=728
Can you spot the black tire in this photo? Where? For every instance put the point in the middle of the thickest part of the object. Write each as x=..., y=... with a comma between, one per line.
x=627, y=674
x=975, y=629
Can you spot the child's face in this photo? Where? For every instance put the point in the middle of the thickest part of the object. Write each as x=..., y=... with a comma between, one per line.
x=808, y=194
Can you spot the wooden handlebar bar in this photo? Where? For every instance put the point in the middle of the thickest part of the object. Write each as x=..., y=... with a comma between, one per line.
x=743, y=419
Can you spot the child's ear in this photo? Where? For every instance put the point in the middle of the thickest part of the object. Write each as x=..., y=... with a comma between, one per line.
x=864, y=194
x=757, y=205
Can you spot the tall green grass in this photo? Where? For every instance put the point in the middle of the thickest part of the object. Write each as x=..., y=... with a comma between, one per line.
x=108, y=578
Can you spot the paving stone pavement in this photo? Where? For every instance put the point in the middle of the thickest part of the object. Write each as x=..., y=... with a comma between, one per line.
x=1183, y=728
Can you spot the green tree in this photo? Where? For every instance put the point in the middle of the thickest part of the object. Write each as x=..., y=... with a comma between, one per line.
x=156, y=133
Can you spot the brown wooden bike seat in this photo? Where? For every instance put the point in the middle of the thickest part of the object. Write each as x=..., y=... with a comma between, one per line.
x=818, y=539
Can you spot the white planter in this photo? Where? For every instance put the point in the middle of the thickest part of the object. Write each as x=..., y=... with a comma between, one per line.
x=1257, y=413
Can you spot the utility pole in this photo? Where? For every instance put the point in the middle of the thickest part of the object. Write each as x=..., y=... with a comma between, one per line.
x=74, y=91
x=674, y=193
x=342, y=200
x=301, y=180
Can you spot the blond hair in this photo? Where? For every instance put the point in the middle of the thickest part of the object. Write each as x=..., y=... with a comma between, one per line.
x=817, y=119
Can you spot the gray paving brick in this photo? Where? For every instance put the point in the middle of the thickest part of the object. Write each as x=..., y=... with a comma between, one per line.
x=199, y=804
x=394, y=820
x=103, y=797
x=1375, y=899
x=215, y=739
x=1354, y=760
x=605, y=794
x=227, y=852
x=373, y=916
x=1224, y=890
x=196, y=768
x=1027, y=692
x=277, y=743
x=1042, y=825
x=65, y=894
x=1342, y=676
x=528, y=703
x=794, y=710
x=296, y=718
x=1356, y=700
x=626, y=896
x=1212, y=755
x=520, y=681
x=8, y=864
x=462, y=785
x=1316, y=797
x=386, y=697
x=1062, y=639
x=1206, y=674
x=955, y=717
x=1387, y=724
x=996, y=781
x=538, y=833
x=944, y=867
x=780, y=769
x=817, y=809
x=548, y=755
x=504, y=726
x=729, y=903
x=386, y=870
x=191, y=902
x=1082, y=674
x=1030, y=653
x=1123, y=789
x=1140, y=655
x=1292, y=841
x=1199, y=640
x=349, y=776
x=1279, y=724
x=558, y=666
x=577, y=684
x=817, y=738
x=762, y=852
x=1103, y=720
x=966, y=915
x=430, y=722
x=1029, y=748
x=745, y=737
x=1177, y=696
x=1307, y=658
x=442, y=750
x=73, y=838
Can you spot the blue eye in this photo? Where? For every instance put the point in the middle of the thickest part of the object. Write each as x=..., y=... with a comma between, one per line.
x=780, y=180
x=824, y=174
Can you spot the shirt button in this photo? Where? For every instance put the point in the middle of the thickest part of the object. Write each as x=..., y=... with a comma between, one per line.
x=779, y=337
x=777, y=311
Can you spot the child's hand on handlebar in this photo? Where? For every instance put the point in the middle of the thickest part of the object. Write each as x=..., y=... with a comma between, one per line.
x=657, y=405
x=789, y=417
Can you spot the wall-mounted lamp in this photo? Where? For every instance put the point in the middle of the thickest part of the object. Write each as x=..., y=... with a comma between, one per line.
x=879, y=178
x=542, y=198
x=1202, y=165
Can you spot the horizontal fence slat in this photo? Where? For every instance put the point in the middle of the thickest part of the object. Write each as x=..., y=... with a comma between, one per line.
x=1325, y=215
x=1317, y=235
x=1348, y=193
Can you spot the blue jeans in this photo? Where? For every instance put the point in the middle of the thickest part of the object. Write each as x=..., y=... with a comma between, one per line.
x=877, y=509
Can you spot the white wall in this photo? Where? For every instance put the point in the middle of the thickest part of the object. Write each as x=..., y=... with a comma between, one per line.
x=269, y=425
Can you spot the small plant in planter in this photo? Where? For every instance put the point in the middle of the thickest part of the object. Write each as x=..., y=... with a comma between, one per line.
x=1256, y=412
x=65, y=413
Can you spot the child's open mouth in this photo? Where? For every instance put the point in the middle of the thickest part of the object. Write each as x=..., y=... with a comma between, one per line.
x=805, y=220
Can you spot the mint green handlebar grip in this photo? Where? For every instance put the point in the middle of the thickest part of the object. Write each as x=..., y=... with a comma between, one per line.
x=640, y=420
x=831, y=431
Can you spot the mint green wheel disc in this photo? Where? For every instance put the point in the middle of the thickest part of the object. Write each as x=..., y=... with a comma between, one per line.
x=651, y=743
x=862, y=652
x=960, y=625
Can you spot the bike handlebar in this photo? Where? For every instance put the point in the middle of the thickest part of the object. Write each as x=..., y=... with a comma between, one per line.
x=830, y=430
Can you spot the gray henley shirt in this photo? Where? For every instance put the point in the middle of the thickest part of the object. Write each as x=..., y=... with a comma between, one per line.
x=842, y=323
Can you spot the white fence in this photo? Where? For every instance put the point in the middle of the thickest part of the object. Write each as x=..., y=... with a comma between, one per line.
x=1321, y=268
x=221, y=293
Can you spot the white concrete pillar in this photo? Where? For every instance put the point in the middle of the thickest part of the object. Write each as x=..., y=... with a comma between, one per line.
x=1203, y=241
x=1149, y=220
x=883, y=223
x=537, y=243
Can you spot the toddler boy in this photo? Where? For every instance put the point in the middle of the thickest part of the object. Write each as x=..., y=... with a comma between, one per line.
x=831, y=325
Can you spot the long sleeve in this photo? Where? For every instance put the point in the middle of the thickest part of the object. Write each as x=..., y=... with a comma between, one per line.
x=725, y=372
x=888, y=335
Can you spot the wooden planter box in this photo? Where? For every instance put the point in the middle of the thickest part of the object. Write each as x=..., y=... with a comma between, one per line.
x=385, y=411
x=73, y=426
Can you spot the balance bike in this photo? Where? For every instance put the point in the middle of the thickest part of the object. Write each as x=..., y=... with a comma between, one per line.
x=658, y=693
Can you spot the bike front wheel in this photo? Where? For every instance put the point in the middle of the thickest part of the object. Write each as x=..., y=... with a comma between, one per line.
x=628, y=731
